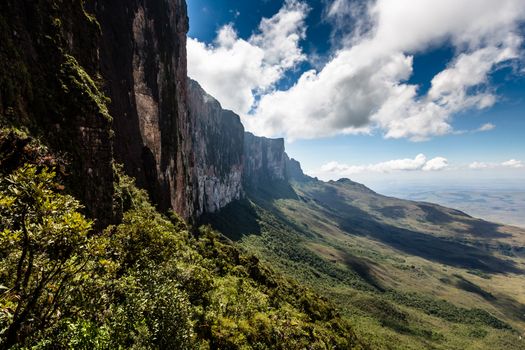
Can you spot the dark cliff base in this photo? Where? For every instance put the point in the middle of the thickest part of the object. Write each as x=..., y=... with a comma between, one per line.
x=50, y=85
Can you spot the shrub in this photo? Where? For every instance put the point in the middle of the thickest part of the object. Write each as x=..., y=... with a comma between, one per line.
x=45, y=251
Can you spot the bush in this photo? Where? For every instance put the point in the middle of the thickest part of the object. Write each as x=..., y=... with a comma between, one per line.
x=45, y=253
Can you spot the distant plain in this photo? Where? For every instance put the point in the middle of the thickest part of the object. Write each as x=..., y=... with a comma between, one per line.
x=501, y=205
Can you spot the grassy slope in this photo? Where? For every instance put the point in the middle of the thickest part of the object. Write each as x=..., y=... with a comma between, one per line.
x=390, y=264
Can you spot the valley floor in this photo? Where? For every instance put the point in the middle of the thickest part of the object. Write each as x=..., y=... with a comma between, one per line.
x=408, y=275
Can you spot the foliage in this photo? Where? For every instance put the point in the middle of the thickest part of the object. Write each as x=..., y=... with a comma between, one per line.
x=77, y=84
x=44, y=249
x=147, y=283
x=448, y=311
x=18, y=148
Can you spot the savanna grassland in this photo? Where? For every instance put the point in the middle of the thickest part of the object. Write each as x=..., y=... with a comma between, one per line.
x=408, y=275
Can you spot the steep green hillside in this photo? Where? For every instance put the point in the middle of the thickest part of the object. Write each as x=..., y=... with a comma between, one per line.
x=408, y=275
x=150, y=282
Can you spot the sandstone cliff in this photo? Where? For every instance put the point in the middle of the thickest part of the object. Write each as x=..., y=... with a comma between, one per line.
x=264, y=161
x=143, y=57
x=230, y=163
x=294, y=172
x=58, y=64
x=57, y=60
x=50, y=86
x=218, y=143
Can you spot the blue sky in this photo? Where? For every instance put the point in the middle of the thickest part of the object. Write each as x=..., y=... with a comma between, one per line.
x=359, y=88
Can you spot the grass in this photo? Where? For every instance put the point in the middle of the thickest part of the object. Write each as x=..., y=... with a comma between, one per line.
x=399, y=290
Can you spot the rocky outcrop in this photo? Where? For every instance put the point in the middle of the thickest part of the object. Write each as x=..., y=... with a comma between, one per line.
x=143, y=56
x=229, y=162
x=57, y=60
x=49, y=66
x=294, y=172
x=264, y=161
x=218, y=137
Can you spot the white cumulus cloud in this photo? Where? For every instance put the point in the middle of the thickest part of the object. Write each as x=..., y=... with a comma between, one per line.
x=438, y=163
x=420, y=162
x=235, y=70
x=513, y=163
x=364, y=87
x=481, y=165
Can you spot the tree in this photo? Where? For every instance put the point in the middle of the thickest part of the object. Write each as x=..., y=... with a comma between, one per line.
x=44, y=250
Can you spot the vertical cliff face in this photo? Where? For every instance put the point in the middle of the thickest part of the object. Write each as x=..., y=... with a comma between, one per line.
x=230, y=162
x=264, y=162
x=218, y=137
x=294, y=172
x=49, y=69
x=143, y=56
x=58, y=64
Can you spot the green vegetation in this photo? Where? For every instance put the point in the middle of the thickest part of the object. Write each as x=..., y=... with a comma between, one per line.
x=79, y=86
x=393, y=275
x=154, y=282
x=149, y=282
x=448, y=311
x=401, y=275
x=44, y=247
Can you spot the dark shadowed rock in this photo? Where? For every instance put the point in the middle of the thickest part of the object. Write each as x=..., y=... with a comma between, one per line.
x=294, y=172
x=143, y=56
x=49, y=69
